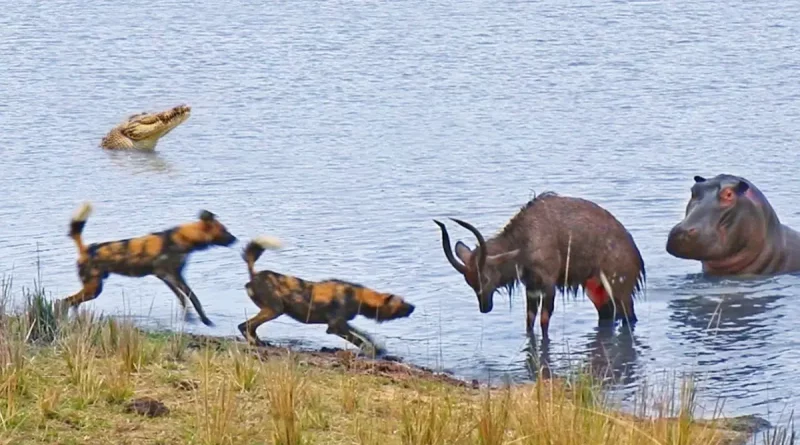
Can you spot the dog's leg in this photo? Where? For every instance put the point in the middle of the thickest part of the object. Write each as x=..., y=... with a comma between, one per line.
x=92, y=287
x=248, y=328
x=346, y=331
x=178, y=293
x=177, y=280
x=181, y=297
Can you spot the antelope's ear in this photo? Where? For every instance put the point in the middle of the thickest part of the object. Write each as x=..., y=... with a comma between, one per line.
x=501, y=258
x=463, y=253
x=699, y=179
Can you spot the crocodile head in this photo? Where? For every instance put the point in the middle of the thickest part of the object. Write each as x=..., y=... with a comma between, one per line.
x=142, y=131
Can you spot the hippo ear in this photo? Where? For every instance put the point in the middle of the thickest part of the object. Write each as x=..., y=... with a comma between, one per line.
x=699, y=179
x=463, y=252
x=741, y=188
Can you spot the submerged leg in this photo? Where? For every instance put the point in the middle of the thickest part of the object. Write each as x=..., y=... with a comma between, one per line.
x=548, y=306
x=622, y=294
x=532, y=297
x=628, y=316
x=612, y=301
x=538, y=362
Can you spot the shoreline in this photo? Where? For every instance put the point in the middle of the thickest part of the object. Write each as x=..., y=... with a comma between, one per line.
x=737, y=430
x=332, y=358
x=79, y=379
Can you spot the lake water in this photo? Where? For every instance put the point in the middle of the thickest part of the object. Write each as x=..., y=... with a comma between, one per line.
x=344, y=128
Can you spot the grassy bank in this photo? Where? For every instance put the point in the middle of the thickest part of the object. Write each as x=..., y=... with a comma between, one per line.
x=101, y=380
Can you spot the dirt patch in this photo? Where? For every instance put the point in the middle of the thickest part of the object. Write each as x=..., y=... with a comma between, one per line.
x=147, y=406
x=388, y=366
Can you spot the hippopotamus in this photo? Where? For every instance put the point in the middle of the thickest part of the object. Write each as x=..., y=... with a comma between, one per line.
x=731, y=228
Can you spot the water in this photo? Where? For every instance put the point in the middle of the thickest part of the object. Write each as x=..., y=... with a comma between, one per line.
x=344, y=128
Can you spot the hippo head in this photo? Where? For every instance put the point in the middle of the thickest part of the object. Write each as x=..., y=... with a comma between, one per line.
x=725, y=217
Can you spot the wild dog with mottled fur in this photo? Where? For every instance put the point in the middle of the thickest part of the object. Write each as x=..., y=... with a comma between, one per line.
x=332, y=302
x=163, y=254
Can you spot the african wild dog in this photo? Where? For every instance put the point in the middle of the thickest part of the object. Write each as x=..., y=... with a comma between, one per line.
x=332, y=302
x=162, y=254
x=555, y=242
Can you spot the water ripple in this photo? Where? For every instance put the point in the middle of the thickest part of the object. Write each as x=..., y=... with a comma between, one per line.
x=346, y=128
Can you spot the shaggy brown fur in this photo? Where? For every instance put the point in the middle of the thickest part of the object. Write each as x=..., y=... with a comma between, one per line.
x=554, y=242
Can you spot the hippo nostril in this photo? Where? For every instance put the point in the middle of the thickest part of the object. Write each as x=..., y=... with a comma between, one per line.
x=682, y=240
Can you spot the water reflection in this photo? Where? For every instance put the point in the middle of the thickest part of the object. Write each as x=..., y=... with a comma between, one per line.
x=609, y=354
x=726, y=321
x=138, y=162
x=733, y=315
x=339, y=98
x=613, y=357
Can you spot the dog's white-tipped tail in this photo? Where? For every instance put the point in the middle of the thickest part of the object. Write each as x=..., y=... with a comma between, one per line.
x=83, y=212
x=76, y=226
x=268, y=242
x=257, y=246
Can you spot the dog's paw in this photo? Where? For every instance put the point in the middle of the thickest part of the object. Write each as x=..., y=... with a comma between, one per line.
x=372, y=351
x=206, y=321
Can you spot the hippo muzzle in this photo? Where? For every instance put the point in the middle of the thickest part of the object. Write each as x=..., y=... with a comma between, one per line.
x=698, y=235
x=688, y=242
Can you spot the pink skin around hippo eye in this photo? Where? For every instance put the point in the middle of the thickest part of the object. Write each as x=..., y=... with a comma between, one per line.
x=726, y=196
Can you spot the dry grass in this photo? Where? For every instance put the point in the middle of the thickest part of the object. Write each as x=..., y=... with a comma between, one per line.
x=72, y=382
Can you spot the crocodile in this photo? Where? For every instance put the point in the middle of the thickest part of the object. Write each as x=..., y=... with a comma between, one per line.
x=143, y=130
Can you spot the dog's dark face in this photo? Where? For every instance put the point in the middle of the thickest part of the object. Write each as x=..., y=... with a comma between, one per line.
x=207, y=231
x=394, y=307
x=219, y=235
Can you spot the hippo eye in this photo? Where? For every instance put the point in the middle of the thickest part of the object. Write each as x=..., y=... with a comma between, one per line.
x=726, y=194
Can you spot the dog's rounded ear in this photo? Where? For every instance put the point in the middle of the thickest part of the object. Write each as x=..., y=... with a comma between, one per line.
x=207, y=216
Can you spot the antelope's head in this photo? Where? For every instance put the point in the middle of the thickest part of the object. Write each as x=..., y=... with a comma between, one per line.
x=481, y=271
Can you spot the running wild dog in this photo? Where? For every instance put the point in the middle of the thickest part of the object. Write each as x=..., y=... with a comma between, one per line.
x=332, y=302
x=163, y=254
x=554, y=242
